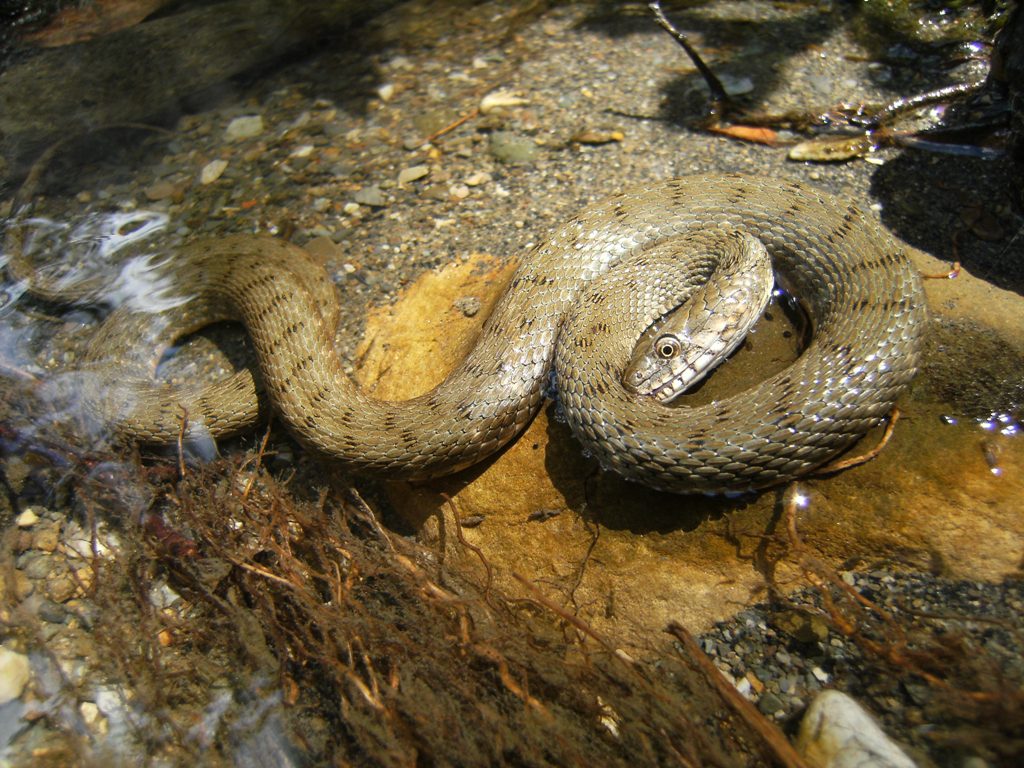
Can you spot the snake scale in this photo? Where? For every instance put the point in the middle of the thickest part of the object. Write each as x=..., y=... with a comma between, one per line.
x=859, y=289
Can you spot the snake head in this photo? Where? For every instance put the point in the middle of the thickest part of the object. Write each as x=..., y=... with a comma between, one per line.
x=702, y=332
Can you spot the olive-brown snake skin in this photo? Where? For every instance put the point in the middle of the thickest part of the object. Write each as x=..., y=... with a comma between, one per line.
x=862, y=294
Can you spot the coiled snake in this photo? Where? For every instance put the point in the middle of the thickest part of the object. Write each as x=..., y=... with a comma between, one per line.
x=862, y=295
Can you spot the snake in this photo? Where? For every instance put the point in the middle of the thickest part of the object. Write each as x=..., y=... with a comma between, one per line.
x=559, y=325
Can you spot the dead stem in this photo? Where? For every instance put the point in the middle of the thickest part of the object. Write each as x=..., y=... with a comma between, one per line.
x=863, y=458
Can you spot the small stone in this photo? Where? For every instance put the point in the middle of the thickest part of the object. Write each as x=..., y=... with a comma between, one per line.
x=477, y=178
x=500, y=100
x=386, y=91
x=820, y=675
x=371, y=196
x=37, y=566
x=159, y=190
x=802, y=625
x=28, y=518
x=512, y=149
x=14, y=674
x=459, y=191
x=755, y=682
x=302, y=151
x=212, y=171
x=51, y=612
x=352, y=209
x=412, y=174
x=468, y=305
x=770, y=704
x=46, y=537
x=412, y=143
x=736, y=86
x=244, y=128
x=322, y=248
x=92, y=717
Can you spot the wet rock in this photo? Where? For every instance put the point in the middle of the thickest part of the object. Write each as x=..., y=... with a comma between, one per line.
x=14, y=674
x=836, y=732
x=660, y=557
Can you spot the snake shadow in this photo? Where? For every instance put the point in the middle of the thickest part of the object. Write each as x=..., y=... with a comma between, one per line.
x=613, y=502
x=956, y=209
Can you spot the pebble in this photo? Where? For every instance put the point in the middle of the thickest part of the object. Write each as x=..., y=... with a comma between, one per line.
x=500, y=100
x=212, y=171
x=160, y=190
x=412, y=173
x=477, y=178
x=47, y=537
x=468, y=305
x=14, y=674
x=371, y=196
x=512, y=149
x=244, y=128
x=770, y=704
x=28, y=518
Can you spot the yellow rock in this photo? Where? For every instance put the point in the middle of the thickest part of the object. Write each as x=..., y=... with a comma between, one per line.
x=630, y=560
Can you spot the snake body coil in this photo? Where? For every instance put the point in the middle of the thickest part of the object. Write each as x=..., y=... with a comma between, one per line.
x=861, y=292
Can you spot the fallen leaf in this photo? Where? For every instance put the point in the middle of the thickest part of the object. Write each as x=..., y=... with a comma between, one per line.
x=751, y=133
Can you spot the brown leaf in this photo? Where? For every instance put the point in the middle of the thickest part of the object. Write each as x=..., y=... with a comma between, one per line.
x=751, y=133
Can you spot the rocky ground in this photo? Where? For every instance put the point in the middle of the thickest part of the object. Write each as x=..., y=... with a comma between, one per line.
x=460, y=135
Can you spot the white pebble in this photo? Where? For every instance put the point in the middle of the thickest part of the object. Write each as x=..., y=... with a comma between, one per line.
x=90, y=713
x=500, y=99
x=14, y=672
x=244, y=127
x=386, y=91
x=212, y=171
x=304, y=150
x=28, y=518
x=477, y=178
x=836, y=732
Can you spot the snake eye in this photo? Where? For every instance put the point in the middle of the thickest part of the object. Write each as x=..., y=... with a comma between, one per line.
x=667, y=347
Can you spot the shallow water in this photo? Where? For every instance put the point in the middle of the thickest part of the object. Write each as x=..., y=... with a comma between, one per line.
x=335, y=163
